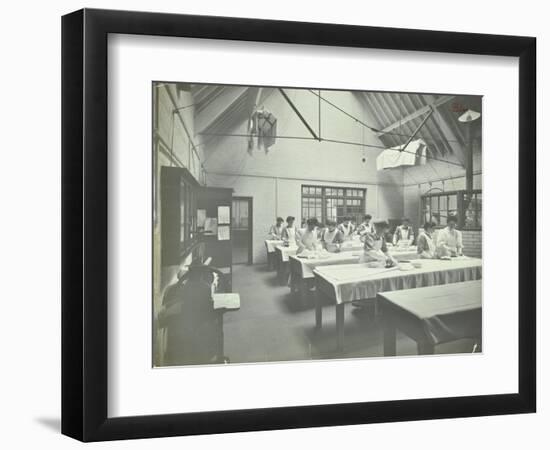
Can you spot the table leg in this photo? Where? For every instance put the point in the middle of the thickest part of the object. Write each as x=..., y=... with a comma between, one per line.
x=303, y=292
x=221, y=346
x=340, y=327
x=283, y=273
x=390, y=338
x=318, y=310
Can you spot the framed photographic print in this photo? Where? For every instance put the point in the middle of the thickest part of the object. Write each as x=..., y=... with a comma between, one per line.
x=274, y=224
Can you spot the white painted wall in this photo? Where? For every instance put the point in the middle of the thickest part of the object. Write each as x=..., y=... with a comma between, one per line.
x=274, y=180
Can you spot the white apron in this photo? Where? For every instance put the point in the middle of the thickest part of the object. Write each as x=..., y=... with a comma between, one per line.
x=375, y=254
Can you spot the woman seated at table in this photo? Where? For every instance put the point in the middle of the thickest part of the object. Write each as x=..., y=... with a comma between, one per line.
x=449, y=240
x=331, y=237
x=276, y=231
x=425, y=243
x=309, y=239
x=375, y=248
x=289, y=233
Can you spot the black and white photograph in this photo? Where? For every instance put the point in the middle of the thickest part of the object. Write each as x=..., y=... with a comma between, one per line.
x=299, y=224
x=251, y=225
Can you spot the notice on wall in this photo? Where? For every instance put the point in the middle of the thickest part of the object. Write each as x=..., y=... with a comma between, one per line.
x=223, y=233
x=201, y=217
x=224, y=215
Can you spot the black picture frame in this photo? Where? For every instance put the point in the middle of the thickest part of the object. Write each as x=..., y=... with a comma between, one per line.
x=84, y=224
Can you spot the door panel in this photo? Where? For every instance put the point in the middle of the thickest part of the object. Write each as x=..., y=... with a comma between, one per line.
x=241, y=230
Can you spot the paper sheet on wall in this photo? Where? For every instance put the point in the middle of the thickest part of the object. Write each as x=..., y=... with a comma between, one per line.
x=201, y=217
x=223, y=233
x=223, y=214
x=210, y=226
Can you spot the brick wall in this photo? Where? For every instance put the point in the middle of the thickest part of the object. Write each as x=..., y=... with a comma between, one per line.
x=472, y=243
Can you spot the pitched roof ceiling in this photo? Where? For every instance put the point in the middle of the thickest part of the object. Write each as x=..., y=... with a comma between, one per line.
x=221, y=108
x=398, y=116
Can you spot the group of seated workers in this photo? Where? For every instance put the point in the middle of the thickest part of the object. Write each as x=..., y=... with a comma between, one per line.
x=373, y=234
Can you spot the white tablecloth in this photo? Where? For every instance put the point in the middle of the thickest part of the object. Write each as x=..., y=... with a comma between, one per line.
x=346, y=256
x=404, y=253
x=271, y=244
x=349, y=282
x=304, y=267
x=286, y=251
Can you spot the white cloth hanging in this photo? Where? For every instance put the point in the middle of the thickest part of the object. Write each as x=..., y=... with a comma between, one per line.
x=395, y=157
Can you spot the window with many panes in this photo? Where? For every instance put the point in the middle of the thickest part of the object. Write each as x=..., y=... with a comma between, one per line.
x=332, y=203
x=437, y=206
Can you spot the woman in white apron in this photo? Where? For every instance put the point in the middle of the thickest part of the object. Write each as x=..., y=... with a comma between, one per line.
x=289, y=232
x=309, y=240
x=425, y=243
x=365, y=226
x=276, y=231
x=375, y=249
x=332, y=238
x=346, y=228
x=403, y=233
x=449, y=240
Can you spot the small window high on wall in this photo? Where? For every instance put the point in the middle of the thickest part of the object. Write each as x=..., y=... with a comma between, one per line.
x=467, y=206
x=332, y=203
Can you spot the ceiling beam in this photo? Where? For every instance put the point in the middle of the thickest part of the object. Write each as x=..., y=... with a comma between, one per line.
x=381, y=117
x=295, y=109
x=447, y=132
x=218, y=107
x=419, y=112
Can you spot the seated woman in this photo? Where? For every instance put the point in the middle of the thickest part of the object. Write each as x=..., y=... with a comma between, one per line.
x=289, y=233
x=375, y=249
x=276, y=231
x=193, y=325
x=425, y=243
x=309, y=239
x=331, y=237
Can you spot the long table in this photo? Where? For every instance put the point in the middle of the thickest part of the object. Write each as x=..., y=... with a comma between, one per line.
x=302, y=268
x=270, y=245
x=431, y=315
x=284, y=254
x=345, y=283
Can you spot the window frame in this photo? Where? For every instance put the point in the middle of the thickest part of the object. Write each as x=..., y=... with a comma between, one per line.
x=346, y=194
x=461, y=207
